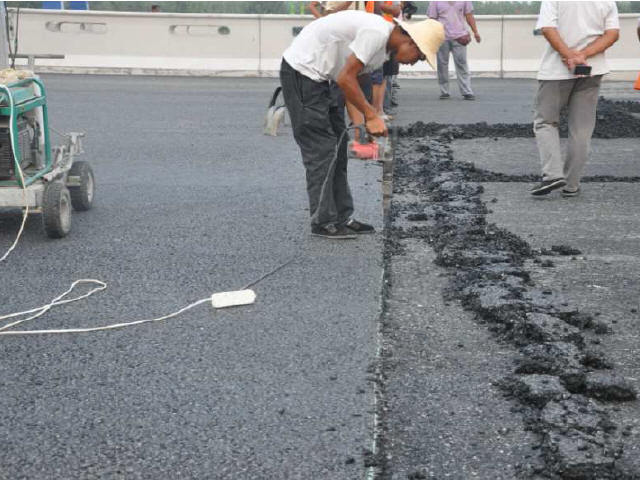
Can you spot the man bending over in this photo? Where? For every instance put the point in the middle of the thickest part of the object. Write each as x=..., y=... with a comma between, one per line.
x=319, y=71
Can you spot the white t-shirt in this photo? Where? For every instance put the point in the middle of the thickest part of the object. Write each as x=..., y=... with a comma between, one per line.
x=321, y=49
x=579, y=24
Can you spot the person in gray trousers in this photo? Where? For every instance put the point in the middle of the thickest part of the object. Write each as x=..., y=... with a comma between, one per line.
x=578, y=34
x=453, y=16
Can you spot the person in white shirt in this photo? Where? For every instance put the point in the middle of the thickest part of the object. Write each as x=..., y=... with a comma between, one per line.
x=319, y=71
x=578, y=34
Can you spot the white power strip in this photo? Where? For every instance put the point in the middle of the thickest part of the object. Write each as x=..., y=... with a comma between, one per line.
x=218, y=300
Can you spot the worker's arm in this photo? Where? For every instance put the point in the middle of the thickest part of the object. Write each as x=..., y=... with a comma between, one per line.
x=348, y=81
x=570, y=57
x=394, y=10
x=600, y=44
x=472, y=23
x=314, y=9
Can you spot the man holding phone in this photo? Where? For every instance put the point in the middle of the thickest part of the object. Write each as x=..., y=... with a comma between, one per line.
x=570, y=75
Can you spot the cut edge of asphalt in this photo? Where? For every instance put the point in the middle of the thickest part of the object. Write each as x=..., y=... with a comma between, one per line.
x=374, y=465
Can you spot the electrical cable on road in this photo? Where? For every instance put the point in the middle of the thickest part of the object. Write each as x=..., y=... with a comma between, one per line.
x=25, y=213
x=98, y=287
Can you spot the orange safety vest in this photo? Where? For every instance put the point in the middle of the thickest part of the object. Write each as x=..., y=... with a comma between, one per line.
x=371, y=8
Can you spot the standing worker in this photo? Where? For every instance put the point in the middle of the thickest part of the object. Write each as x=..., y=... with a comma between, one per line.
x=453, y=15
x=578, y=34
x=319, y=71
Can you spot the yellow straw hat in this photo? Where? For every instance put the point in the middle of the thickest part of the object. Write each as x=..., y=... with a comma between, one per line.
x=428, y=36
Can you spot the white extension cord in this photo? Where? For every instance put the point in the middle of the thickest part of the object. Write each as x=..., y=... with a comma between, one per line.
x=218, y=300
x=25, y=214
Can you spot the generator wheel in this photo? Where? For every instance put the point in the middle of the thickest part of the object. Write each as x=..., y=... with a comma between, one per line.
x=56, y=210
x=82, y=195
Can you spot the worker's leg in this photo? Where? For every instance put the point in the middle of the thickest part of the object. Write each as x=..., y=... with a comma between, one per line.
x=309, y=103
x=390, y=70
x=377, y=78
x=379, y=92
x=388, y=94
x=443, y=67
x=582, y=120
x=551, y=97
x=341, y=192
x=459, y=53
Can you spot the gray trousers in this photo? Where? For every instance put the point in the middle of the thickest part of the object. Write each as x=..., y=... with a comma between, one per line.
x=462, y=69
x=580, y=96
x=316, y=110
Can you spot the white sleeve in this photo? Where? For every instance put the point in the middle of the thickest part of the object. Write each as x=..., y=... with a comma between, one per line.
x=548, y=16
x=367, y=43
x=611, y=21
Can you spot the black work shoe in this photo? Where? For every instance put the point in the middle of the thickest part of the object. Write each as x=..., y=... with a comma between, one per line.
x=548, y=186
x=444, y=96
x=570, y=193
x=330, y=230
x=469, y=97
x=358, y=227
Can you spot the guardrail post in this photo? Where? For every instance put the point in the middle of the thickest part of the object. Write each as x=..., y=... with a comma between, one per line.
x=259, y=45
x=502, y=47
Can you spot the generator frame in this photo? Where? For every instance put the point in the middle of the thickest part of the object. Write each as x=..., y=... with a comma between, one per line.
x=61, y=183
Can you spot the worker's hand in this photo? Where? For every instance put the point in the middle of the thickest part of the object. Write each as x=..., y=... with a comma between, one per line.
x=376, y=126
x=575, y=58
x=477, y=37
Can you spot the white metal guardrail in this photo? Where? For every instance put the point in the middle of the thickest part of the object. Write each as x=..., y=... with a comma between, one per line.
x=251, y=45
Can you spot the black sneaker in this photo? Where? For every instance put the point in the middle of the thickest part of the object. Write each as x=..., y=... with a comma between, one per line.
x=548, y=186
x=358, y=227
x=570, y=193
x=444, y=96
x=339, y=232
x=469, y=97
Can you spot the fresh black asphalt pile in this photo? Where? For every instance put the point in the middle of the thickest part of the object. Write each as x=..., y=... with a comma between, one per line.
x=616, y=119
x=563, y=386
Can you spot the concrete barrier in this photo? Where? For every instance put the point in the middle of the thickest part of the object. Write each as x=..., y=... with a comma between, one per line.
x=251, y=45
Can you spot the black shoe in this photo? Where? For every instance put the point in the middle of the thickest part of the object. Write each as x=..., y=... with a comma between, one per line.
x=358, y=227
x=332, y=231
x=469, y=97
x=548, y=186
x=570, y=193
x=444, y=96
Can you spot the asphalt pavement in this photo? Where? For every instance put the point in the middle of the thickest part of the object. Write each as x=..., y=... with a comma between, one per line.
x=191, y=199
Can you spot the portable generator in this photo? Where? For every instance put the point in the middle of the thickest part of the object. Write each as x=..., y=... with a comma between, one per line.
x=34, y=175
